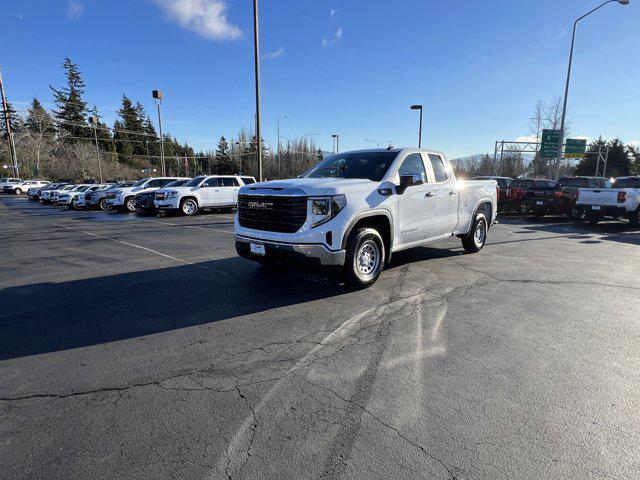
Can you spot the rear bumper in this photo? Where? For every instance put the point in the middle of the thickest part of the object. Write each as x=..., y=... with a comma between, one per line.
x=605, y=211
x=306, y=255
x=533, y=204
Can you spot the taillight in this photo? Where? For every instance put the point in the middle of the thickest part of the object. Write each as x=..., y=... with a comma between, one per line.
x=558, y=194
x=622, y=196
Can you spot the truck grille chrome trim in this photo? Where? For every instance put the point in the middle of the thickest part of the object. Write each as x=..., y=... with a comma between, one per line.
x=272, y=213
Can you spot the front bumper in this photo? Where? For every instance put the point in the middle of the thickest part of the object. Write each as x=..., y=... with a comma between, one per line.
x=167, y=204
x=310, y=255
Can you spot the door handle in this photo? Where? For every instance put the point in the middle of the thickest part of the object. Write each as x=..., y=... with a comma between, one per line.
x=428, y=194
x=452, y=193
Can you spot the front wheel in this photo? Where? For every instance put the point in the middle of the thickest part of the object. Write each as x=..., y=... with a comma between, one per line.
x=365, y=258
x=18, y=191
x=634, y=218
x=576, y=213
x=103, y=205
x=189, y=207
x=477, y=236
x=130, y=204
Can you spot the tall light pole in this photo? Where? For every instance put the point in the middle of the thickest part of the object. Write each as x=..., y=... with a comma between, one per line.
x=94, y=121
x=566, y=88
x=389, y=142
x=279, y=117
x=419, y=107
x=12, y=146
x=256, y=61
x=158, y=96
x=336, y=138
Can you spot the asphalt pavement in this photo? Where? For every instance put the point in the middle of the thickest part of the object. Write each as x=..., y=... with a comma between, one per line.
x=137, y=347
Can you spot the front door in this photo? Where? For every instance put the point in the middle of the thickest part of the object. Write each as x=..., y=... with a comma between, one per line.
x=416, y=204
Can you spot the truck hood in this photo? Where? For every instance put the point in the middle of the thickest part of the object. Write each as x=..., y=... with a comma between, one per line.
x=312, y=186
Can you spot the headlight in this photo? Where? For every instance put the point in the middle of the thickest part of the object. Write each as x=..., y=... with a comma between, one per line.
x=171, y=194
x=324, y=209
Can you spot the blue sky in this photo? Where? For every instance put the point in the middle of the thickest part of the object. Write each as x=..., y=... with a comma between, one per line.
x=348, y=67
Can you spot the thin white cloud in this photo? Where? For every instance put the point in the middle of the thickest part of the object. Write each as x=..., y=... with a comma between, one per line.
x=206, y=18
x=526, y=138
x=337, y=36
x=634, y=143
x=75, y=9
x=273, y=55
x=333, y=12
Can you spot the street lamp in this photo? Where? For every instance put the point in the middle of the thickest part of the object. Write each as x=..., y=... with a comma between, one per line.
x=279, y=116
x=256, y=62
x=419, y=107
x=389, y=142
x=158, y=96
x=94, y=120
x=566, y=88
x=337, y=142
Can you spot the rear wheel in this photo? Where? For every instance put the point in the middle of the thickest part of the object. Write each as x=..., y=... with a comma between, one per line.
x=634, y=218
x=474, y=241
x=365, y=258
x=18, y=191
x=189, y=207
x=576, y=213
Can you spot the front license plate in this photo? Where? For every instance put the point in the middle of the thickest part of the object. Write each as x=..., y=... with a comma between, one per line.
x=538, y=203
x=257, y=249
x=595, y=207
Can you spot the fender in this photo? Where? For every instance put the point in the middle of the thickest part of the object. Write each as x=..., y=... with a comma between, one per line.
x=371, y=213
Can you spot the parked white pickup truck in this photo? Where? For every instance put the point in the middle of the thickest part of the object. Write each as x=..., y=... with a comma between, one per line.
x=213, y=191
x=622, y=200
x=354, y=209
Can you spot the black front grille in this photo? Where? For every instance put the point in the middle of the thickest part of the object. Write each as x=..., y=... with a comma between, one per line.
x=160, y=196
x=272, y=213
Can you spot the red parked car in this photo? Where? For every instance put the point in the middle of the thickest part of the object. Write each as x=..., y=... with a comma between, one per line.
x=504, y=190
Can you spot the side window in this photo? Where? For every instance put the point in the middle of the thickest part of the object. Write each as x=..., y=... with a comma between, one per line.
x=439, y=169
x=248, y=180
x=154, y=184
x=166, y=181
x=229, y=182
x=212, y=182
x=413, y=165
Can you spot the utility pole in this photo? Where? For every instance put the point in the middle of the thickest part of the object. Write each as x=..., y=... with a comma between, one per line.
x=256, y=59
x=12, y=146
x=419, y=107
x=337, y=139
x=158, y=96
x=94, y=120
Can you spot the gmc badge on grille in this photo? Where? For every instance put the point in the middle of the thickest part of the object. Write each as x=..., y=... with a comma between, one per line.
x=260, y=205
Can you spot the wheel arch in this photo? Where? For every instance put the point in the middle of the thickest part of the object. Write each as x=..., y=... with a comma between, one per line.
x=380, y=220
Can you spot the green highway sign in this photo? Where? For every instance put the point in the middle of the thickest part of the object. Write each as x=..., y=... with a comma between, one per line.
x=549, y=146
x=575, y=148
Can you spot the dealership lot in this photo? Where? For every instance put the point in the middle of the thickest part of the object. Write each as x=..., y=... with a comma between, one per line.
x=143, y=347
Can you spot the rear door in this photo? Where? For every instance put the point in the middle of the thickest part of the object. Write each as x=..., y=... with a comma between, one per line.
x=211, y=192
x=416, y=204
x=446, y=191
x=230, y=187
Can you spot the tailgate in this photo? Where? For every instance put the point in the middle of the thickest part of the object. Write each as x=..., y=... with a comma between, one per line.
x=598, y=196
x=541, y=193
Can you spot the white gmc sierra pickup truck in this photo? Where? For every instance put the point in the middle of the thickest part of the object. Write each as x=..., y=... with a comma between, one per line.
x=354, y=209
x=622, y=200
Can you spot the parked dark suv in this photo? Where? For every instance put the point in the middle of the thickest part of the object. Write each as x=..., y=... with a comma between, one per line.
x=561, y=198
x=518, y=189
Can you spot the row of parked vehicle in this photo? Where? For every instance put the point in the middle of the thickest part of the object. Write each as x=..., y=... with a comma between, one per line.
x=159, y=194
x=589, y=199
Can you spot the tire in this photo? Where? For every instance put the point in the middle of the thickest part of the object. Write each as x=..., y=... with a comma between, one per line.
x=102, y=205
x=576, y=213
x=594, y=220
x=365, y=258
x=475, y=240
x=71, y=205
x=130, y=204
x=189, y=207
x=18, y=191
x=634, y=218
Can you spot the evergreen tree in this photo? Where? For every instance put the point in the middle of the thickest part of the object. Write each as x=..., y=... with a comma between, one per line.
x=223, y=163
x=618, y=164
x=105, y=139
x=38, y=120
x=71, y=111
x=14, y=121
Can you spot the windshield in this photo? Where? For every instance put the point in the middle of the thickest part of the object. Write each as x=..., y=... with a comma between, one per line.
x=367, y=165
x=630, y=182
x=176, y=183
x=194, y=182
x=139, y=183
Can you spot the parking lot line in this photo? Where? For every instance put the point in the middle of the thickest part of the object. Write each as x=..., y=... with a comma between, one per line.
x=140, y=247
